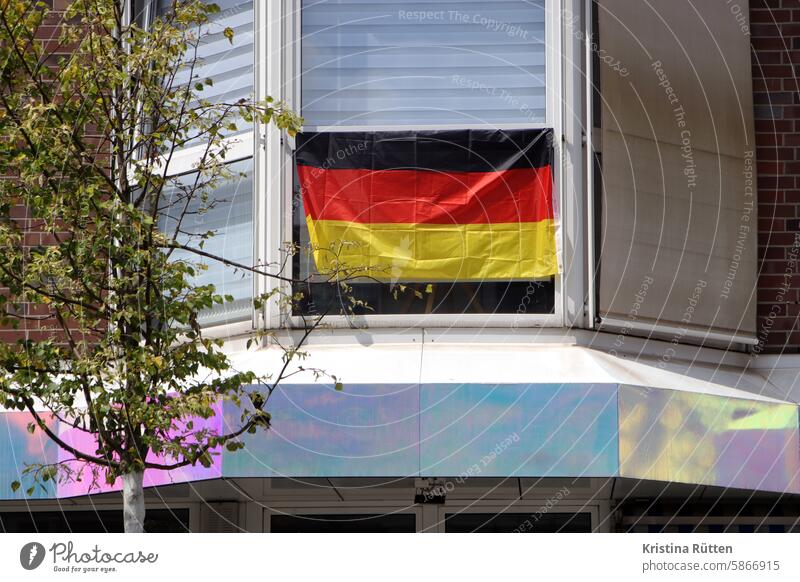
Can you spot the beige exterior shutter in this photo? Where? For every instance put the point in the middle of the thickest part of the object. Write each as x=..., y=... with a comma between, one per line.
x=678, y=236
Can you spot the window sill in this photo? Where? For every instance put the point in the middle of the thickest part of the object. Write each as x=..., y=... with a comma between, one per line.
x=469, y=320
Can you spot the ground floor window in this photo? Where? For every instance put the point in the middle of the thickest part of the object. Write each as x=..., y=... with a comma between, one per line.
x=518, y=522
x=434, y=518
x=91, y=521
x=344, y=523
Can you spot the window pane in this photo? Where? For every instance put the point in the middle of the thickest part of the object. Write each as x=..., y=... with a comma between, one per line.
x=417, y=298
x=537, y=522
x=228, y=65
x=106, y=520
x=344, y=523
x=383, y=62
x=521, y=298
x=231, y=218
x=657, y=172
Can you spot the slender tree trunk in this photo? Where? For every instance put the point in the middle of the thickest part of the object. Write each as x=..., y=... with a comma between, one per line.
x=133, y=502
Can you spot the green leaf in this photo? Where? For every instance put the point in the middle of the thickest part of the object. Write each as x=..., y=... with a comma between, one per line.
x=339, y=386
x=228, y=32
x=15, y=485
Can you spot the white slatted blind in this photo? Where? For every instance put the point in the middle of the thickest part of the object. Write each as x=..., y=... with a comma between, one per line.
x=382, y=62
x=232, y=221
x=230, y=66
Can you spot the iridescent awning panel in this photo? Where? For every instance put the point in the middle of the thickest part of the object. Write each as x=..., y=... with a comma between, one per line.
x=365, y=430
x=522, y=430
x=688, y=437
x=20, y=448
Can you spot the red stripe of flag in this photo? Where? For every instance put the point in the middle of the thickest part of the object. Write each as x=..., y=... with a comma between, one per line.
x=427, y=197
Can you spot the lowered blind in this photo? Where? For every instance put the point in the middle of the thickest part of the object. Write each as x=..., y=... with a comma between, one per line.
x=230, y=217
x=229, y=65
x=382, y=62
x=679, y=230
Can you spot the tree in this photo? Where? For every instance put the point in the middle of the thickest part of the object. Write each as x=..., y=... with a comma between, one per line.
x=86, y=142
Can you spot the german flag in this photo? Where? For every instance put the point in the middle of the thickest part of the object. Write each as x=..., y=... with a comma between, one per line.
x=460, y=205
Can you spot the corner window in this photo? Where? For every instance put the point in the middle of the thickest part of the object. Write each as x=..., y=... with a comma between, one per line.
x=228, y=211
x=382, y=75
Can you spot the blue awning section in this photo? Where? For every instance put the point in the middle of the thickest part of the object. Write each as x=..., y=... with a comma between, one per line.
x=486, y=430
x=435, y=430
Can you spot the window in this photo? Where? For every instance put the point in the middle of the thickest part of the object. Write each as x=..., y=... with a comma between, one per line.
x=381, y=66
x=344, y=523
x=536, y=522
x=374, y=66
x=229, y=210
x=101, y=520
x=676, y=198
x=229, y=65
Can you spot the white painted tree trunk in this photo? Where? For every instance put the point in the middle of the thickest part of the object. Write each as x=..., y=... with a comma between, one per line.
x=133, y=502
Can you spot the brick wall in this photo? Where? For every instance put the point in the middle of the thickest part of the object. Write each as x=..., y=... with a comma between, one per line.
x=775, y=38
x=37, y=325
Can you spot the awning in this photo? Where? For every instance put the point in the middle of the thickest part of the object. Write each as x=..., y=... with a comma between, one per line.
x=472, y=410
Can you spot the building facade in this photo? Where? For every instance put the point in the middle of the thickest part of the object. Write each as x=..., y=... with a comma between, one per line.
x=648, y=385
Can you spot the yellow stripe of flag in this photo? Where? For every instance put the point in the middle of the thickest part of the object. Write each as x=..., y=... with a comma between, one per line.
x=436, y=252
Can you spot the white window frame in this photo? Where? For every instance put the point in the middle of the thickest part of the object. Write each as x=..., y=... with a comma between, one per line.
x=277, y=37
x=241, y=148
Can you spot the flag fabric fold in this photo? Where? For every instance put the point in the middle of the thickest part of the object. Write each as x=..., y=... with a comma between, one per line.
x=450, y=205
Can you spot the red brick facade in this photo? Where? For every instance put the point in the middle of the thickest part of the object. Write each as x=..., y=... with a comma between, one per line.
x=775, y=38
x=35, y=328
